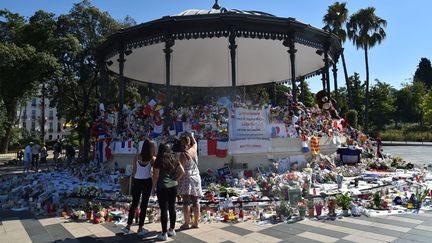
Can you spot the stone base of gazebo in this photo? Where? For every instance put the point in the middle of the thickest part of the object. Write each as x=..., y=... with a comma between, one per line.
x=280, y=148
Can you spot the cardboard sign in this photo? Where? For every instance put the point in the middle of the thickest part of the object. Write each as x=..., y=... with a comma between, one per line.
x=224, y=171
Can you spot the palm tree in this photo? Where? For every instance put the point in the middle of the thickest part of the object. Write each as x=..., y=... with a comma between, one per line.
x=365, y=29
x=336, y=17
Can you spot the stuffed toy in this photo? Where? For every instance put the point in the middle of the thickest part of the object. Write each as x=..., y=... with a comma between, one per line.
x=325, y=104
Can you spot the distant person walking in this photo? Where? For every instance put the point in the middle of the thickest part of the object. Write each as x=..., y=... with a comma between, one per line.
x=27, y=157
x=35, y=156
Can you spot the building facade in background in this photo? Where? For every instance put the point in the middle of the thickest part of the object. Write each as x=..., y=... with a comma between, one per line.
x=30, y=118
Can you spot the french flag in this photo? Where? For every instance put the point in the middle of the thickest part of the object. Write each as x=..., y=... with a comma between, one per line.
x=221, y=149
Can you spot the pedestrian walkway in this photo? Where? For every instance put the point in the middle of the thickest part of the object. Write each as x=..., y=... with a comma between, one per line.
x=23, y=227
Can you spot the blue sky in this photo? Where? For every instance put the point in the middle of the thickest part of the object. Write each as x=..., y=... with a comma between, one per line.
x=394, y=61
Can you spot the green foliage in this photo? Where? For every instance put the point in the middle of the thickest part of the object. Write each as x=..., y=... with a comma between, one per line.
x=404, y=135
x=309, y=97
x=421, y=194
x=377, y=199
x=426, y=107
x=310, y=203
x=366, y=29
x=21, y=69
x=408, y=102
x=357, y=95
x=351, y=117
x=344, y=200
x=398, y=163
x=423, y=73
x=335, y=18
x=11, y=25
x=284, y=209
x=381, y=105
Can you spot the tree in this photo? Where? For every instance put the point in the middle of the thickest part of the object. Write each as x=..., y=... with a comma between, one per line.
x=78, y=34
x=334, y=20
x=381, y=105
x=424, y=72
x=365, y=29
x=408, y=101
x=21, y=69
x=357, y=93
x=426, y=107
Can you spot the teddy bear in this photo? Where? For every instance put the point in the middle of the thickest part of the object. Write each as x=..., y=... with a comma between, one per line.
x=326, y=104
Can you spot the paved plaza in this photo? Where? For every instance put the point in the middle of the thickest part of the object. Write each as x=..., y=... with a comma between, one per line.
x=22, y=227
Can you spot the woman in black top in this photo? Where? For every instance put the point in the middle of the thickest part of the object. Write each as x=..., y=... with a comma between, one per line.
x=166, y=173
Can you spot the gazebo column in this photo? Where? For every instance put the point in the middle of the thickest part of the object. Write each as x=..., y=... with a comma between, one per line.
x=327, y=73
x=289, y=42
x=323, y=79
x=335, y=82
x=233, y=49
x=169, y=43
x=103, y=82
x=121, y=62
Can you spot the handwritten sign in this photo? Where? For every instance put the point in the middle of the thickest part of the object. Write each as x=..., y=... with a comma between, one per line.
x=248, y=124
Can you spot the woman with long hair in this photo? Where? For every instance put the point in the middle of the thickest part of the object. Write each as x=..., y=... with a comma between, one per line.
x=167, y=172
x=190, y=185
x=141, y=184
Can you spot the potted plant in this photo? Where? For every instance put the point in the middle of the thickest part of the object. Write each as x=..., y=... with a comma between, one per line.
x=377, y=199
x=88, y=209
x=421, y=195
x=283, y=210
x=302, y=210
x=318, y=208
x=331, y=206
x=96, y=208
x=344, y=201
x=310, y=206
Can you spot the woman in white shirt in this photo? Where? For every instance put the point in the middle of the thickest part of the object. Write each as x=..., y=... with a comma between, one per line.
x=141, y=184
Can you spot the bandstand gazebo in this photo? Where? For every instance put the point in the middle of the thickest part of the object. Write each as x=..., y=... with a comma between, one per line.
x=219, y=48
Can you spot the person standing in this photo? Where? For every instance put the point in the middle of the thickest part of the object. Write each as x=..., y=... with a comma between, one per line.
x=70, y=154
x=35, y=156
x=190, y=185
x=43, y=155
x=167, y=172
x=141, y=185
x=57, y=151
x=20, y=155
x=27, y=157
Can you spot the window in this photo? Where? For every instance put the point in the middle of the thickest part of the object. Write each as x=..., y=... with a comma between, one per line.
x=24, y=124
x=51, y=127
x=33, y=126
x=59, y=127
x=51, y=115
x=33, y=116
x=34, y=103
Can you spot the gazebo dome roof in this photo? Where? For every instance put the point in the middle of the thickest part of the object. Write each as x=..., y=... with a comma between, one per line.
x=201, y=44
x=222, y=11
